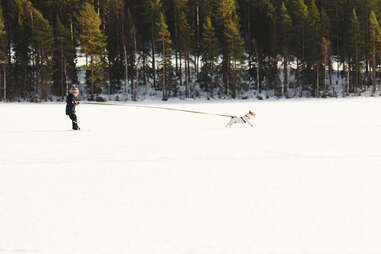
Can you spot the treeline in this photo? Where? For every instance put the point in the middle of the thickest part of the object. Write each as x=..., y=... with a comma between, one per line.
x=181, y=47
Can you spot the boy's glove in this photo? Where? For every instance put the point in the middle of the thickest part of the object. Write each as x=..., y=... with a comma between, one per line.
x=78, y=102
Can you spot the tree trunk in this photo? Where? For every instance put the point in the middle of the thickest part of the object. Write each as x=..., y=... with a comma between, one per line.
x=357, y=71
x=137, y=67
x=175, y=42
x=62, y=72
x=325, y=74
x=212, y=85
x=317, y=81
x=5, y=82
x=330, y=73
x=249, y=36
x=258, y=78
x=164, y=71
x=302, y=62
x=186, y=75
x=374, y=66
x=285, y=74
x=125, y=67
x=71, y=29
x=207, y=70
x=228, y=76
x=255, y=46
x=66, y=83
x=296, y=77
x=180, y=71
x=337, y=34
x=189, y=74
x=198, y=37
x=348, y=78
x=91, y=78
x=144, y=66
x=234, y=79
x=153, y=56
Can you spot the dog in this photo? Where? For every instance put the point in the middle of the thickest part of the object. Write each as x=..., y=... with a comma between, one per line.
x=243, y=119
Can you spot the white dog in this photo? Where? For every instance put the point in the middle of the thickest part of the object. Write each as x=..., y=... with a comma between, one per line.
x=243, y=119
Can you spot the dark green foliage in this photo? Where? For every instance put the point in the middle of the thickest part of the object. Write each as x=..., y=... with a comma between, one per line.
x=375, y=42
x=64, y=52
x=184, y=47
x=235, y=50
x=3, y=55
x=184, y=44
x=115, y=28
x=3, y=39
x=209, y=55
x=285, y=25
x=163, y=37
x=93, y=43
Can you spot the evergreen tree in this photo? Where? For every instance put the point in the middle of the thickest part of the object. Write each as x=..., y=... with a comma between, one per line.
x=326, y=48
x=180, y=22
x=299, y=14
x=155, y=7
x=193, y=8
x=21, y=40
x=325, y=23
x=116, y=38
x=163, y=37
x=375, y=39
x=347, y=54
x=208, y=9
x=3, y=39
x=42, y=39
x=235, y=48
x=313, y=54
x=66, y=10
x=64, y=51
x=354, y=44
x=93, y=43
x=184, y=44
x=209, y=54
x=130, y=48
x=313, y=33
x=224, y=20
x=286, y=24
x=269, y=46
x=3, y=53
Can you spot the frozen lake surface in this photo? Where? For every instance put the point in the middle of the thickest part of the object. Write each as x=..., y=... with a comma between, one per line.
x=305, y=179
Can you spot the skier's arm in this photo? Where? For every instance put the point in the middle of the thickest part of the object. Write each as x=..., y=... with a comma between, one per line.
x=75, y=101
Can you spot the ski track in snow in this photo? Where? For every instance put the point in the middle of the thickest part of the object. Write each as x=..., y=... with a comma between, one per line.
x=305, y=179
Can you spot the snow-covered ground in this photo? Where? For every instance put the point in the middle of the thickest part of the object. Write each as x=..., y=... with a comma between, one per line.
x=305, y=179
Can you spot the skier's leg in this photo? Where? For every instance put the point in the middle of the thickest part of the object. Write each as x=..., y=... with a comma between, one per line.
x=75, y=121
x=73, y=118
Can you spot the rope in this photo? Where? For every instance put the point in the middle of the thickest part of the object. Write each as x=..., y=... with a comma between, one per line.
x=155, y=107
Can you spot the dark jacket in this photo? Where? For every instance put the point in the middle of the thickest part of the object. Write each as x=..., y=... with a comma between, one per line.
x=71, y=102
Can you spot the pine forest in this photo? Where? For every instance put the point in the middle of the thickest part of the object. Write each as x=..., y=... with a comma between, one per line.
x=189, y=48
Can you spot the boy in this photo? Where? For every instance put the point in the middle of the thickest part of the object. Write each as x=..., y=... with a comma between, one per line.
x=71, y=102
